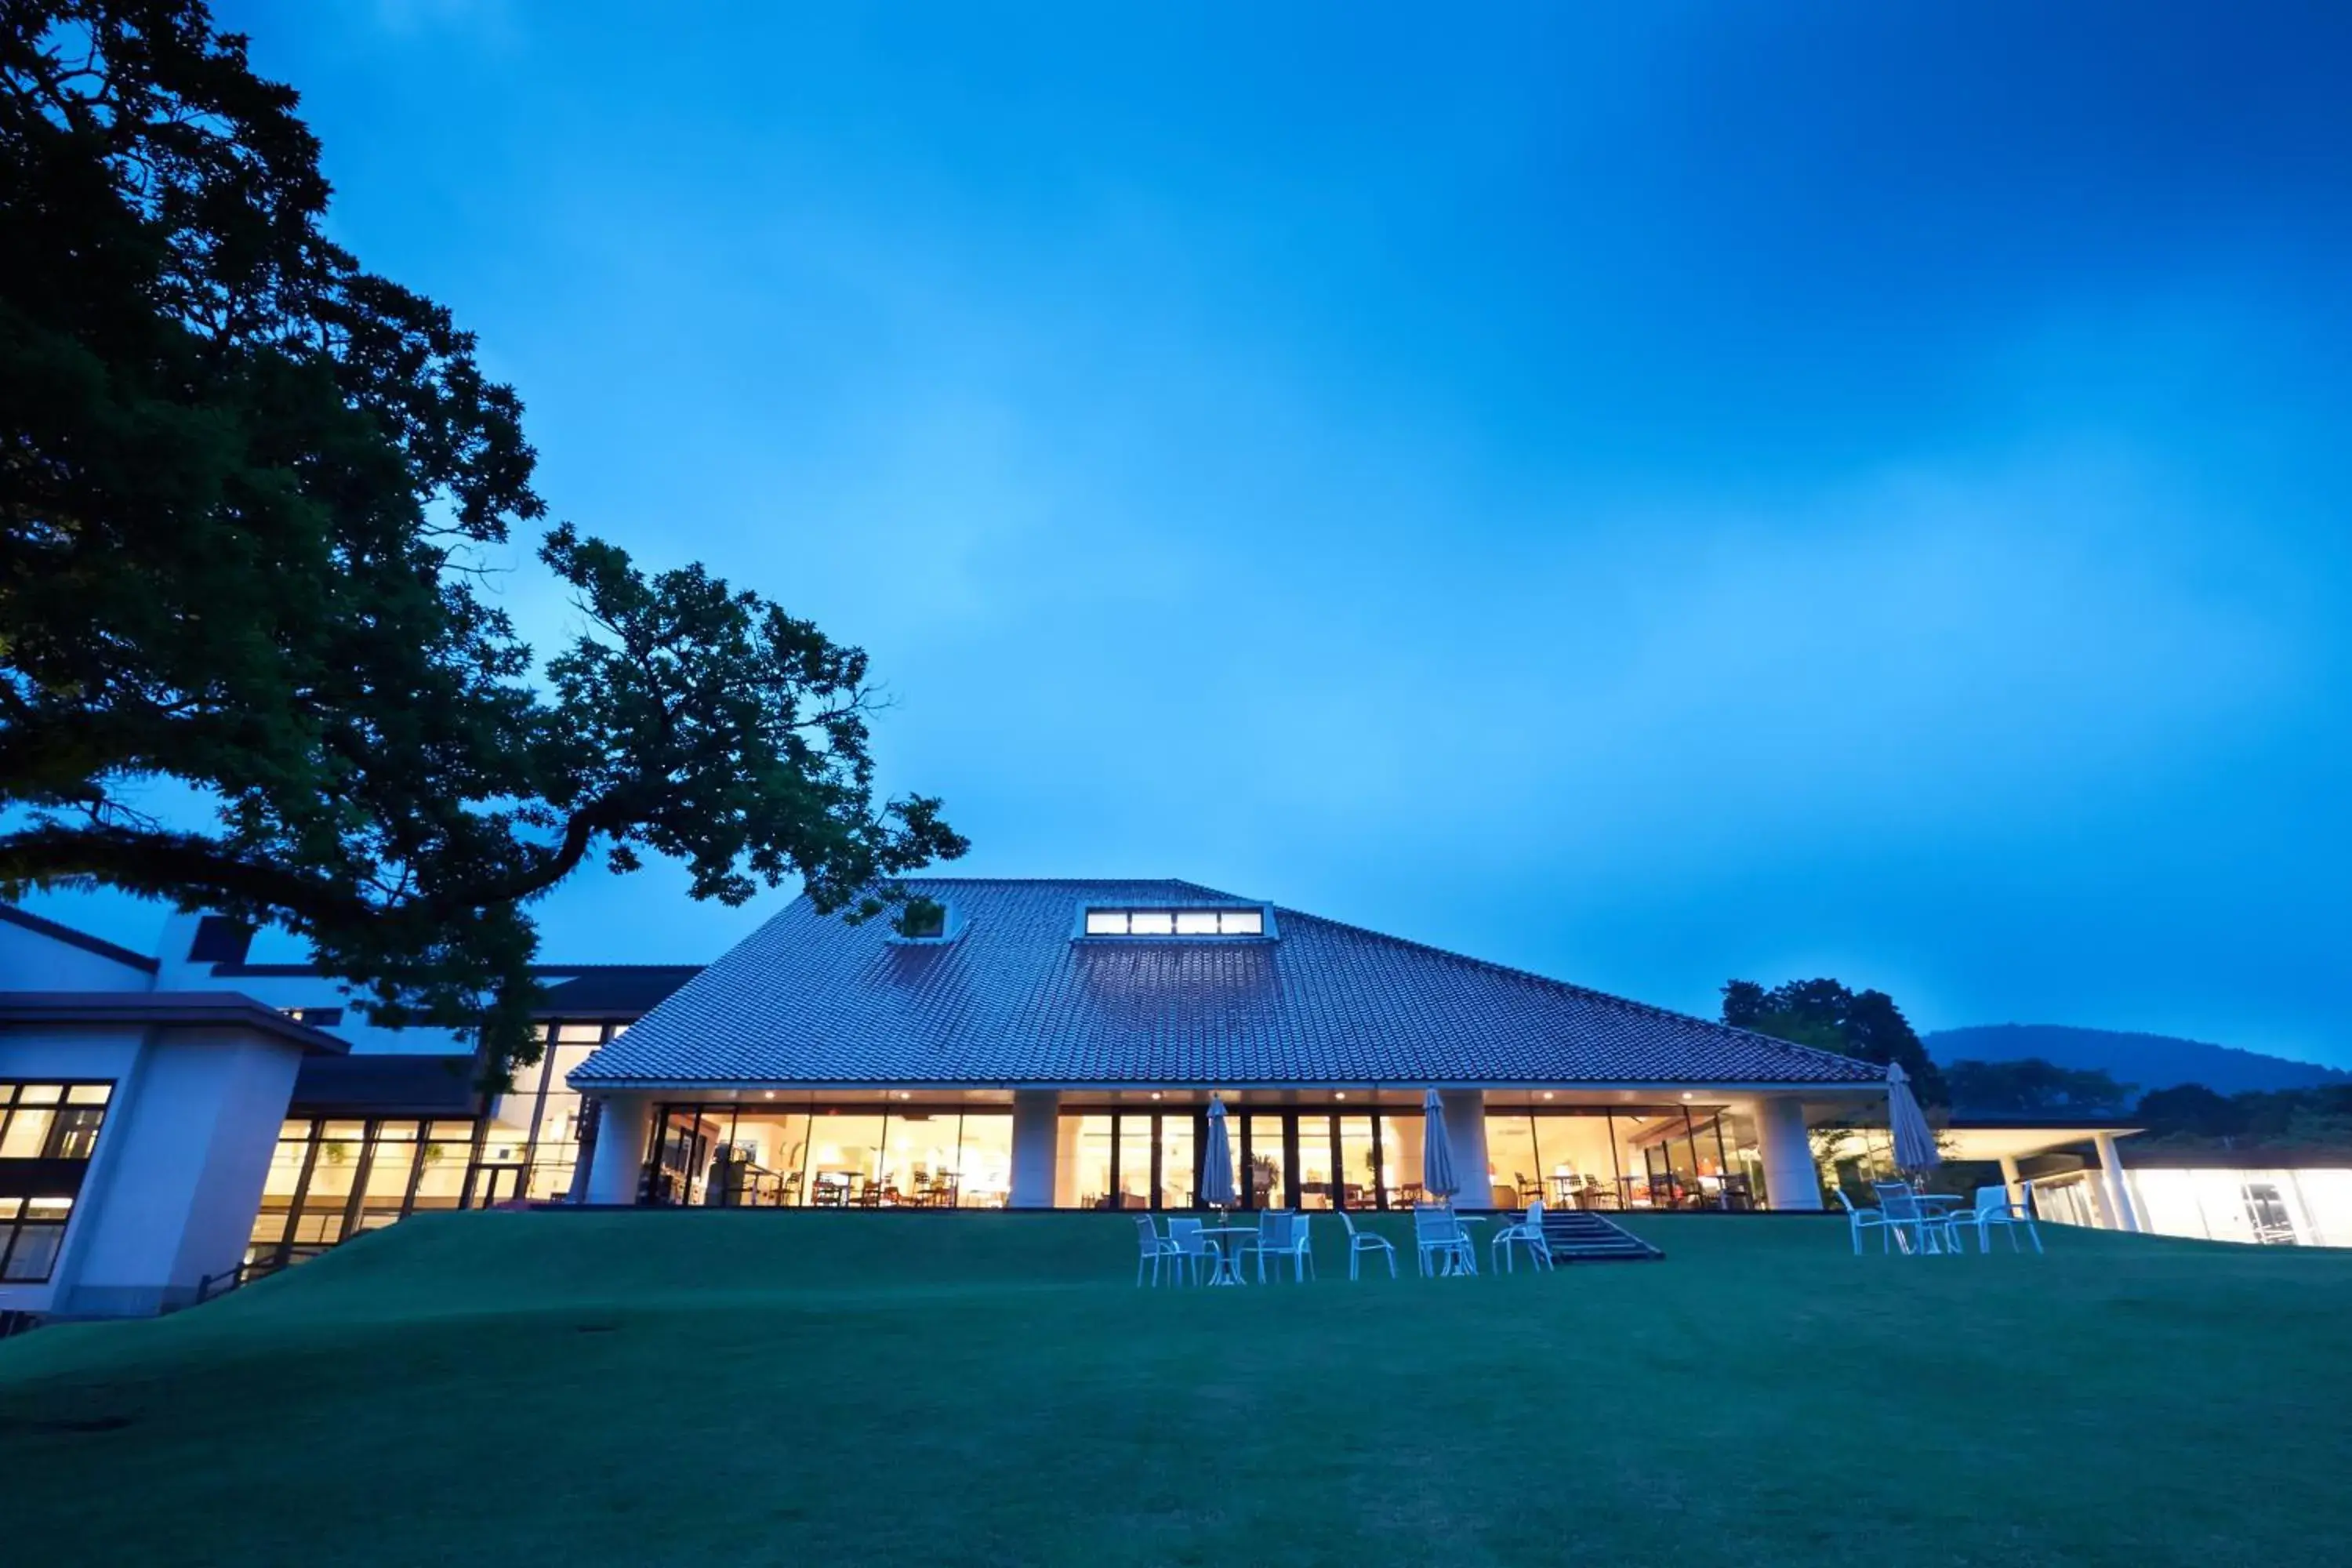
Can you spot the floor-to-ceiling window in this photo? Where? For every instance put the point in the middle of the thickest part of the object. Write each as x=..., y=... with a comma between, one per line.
x=1268, y=1159
x=1359, y=1162
x=331, y=1178
x=1633, y=1157
x=531, y=1143
x=752, y=1155
x=1127, y=1159
x=1292, y=1157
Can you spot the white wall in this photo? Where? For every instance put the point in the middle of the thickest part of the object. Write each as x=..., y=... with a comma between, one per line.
x=176, y=1177
x=32, y=961
x=108, y=1052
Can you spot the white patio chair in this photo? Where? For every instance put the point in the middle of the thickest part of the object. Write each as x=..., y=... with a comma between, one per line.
x=1860, y=1220
x=1362, y=1241
x=1301, y=1250
x=1272, y=1239
x=1993, y=1209
x=1152, y=1251
x=1528, y=1233
x=1192, y=1246
x=1443, y=1245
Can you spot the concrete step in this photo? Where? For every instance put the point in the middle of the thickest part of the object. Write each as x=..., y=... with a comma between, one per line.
x=1582, y=1236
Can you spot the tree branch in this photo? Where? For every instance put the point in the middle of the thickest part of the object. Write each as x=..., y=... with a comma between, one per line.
x=167, y=864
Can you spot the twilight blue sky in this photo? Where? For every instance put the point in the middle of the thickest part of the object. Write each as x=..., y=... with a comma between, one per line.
x=1648, y=494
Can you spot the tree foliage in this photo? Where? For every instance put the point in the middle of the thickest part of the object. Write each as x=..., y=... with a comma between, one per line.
x=1829, y=1016
x=2319, y=1117
x=248, y=489
x=2031, y=1086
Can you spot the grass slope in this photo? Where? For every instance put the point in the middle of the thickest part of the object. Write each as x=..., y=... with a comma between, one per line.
x=797, y=1388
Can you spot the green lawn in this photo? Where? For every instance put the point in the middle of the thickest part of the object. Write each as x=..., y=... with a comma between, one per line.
x=739, y=1388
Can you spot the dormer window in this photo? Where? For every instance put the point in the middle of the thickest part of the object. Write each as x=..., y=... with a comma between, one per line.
x=925, y=920
x=1176, y=923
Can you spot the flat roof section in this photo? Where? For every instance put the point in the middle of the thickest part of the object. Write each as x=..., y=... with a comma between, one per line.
x=168, y=1009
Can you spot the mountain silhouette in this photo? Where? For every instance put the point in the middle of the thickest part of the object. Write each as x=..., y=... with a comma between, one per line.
x=2149, y=1061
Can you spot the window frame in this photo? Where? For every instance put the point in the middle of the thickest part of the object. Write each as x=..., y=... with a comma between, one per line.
x=1094, y=922
x=49, y=1177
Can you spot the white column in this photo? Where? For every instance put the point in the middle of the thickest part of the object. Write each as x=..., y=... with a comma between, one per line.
x=1036, y=1118
x=1792, y=1182
x=2012, y=1178
x=1465, y=1111
x=622, y=1124
x=2111, y=1179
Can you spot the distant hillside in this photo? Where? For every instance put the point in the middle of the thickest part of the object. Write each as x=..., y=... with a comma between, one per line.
x=2151, y=1061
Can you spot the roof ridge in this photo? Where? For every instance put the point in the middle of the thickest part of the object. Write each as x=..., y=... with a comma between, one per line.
x=1587, y=991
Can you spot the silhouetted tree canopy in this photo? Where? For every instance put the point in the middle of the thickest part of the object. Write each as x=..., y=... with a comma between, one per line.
x=2031, y=1085
x=2319, y=1117
x=1826, y=1014
x=247, y=487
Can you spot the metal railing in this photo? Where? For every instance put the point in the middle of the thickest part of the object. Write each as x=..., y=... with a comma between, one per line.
x=275, y=1261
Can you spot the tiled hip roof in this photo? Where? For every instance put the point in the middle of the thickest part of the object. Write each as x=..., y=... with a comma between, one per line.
x=1013, y=999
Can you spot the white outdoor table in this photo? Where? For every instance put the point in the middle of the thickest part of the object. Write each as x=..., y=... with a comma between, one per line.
x=1227, y=1269
x=1940, y=1220
x=1470, y=1265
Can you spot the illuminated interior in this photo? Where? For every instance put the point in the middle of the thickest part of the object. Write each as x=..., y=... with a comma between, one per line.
x=1175, y=922
x=48, y=1134
x=734, y=1155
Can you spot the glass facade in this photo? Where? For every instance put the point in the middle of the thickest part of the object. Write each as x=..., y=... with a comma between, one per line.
x=749, y=1156
x=333, y=1178
x=48, y=1134
x=531, y=1143
x=1636, y=1157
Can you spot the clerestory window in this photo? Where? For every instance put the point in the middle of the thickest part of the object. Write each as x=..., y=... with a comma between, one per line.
x=1175, y=922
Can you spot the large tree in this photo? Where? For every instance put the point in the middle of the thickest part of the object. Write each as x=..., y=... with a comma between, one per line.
x=250, y=493
x=1827, y=1014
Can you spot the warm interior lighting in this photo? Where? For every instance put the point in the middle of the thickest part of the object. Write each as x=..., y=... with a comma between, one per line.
x=768, y=1094
x=1175, y=922
x=1342, y=1095
x=1547, y=1094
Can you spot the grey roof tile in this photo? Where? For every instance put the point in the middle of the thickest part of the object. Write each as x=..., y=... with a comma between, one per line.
x=811, y=999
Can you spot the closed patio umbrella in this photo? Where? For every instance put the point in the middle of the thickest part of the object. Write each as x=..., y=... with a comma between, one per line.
x=1436, y=1154
x=1217, y=1162
x=1914, y=1141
